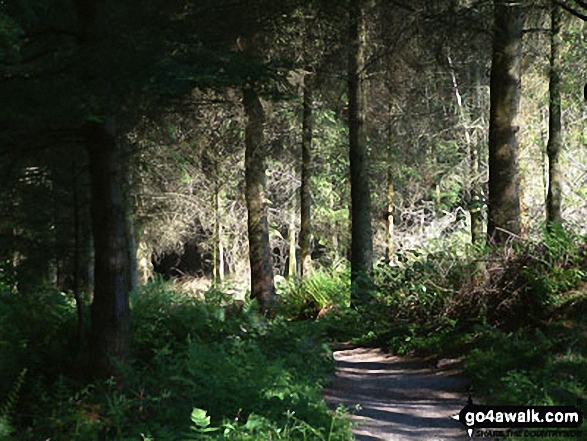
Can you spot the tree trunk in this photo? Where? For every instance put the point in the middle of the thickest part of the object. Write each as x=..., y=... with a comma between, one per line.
x=77, y=255
x=305, y=189
x=390, y=249
x=472, y=194
x=292, y=266
x=504, y=200
x=114, y=269
x=475, y=201
x=262, y=286
x=110, y=314
x=361, y=230
x=555, y=141
x=218, y=247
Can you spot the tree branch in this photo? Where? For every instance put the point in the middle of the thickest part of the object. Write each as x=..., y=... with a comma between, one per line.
x=573, y=11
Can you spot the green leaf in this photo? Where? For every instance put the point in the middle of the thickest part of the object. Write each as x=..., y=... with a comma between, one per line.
x=202, y=420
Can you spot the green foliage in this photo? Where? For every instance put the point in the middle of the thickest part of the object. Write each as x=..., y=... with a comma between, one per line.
x=517, y=320
x=252, y=377
x=37, y=331
x=257, y=427
x=12, y=397
x=531, y=366
x=422, y=284
x=9, y=405
x=324, y=288
x=10, y=34
x=560, y=267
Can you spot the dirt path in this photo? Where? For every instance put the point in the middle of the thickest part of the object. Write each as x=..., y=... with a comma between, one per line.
x=401, y=399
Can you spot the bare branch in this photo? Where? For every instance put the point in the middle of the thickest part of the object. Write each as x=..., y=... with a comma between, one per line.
x=571, y=10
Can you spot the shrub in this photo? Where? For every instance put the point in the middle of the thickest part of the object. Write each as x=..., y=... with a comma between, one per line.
x=324, y=288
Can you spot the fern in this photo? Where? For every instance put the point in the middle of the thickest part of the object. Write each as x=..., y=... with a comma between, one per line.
x=9, y=405
x=13, y=395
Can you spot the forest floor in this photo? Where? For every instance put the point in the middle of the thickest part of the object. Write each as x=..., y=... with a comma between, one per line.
x=400, y=398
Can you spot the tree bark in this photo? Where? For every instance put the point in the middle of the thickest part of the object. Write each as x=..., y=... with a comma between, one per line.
x=218, y=246
x=292, y=265
x=471, y=191
x=112, y=231
x=77, y=255
x=504, y=201
x=390, y=248
x=361, y=229
x=262, y=285
x=555, y=141
x=305, y=189
x=113, y=269
x=475, y=201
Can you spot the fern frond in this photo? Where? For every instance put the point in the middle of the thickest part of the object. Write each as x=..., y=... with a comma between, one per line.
x=13, y=395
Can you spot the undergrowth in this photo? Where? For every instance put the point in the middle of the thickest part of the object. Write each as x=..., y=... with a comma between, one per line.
x=253, y=379
x=214, y=369
x=516, y=317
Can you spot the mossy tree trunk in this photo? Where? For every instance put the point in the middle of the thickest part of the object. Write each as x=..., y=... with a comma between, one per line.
x=262, y=284
x=505, y=83
x=305, y=188
x=361, y=229
x=555, y=141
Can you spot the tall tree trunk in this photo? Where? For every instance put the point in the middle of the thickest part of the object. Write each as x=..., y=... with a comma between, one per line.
x=361, y=230
x=472, y=194
x=262, y=285
x=555, y=141
x=305, y=189
x=114, y=268
x=292, y=265
x=474, y=197
x=218, y=246
x=390, y=249
x=475, y=203
x=110, y=312
x=77, y=254
x=504, y=200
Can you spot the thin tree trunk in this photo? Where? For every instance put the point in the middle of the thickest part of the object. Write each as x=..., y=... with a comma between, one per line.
x=291, y=261
x=132, y=250
x=471, y=191
x=218, y=247
x=262, y=285
x=305, y=189
x=361, y=230
x=110, y=330
x=504, y=200
x=554, y=146
x=77, y=256
x=476, y=205
x=390, y=248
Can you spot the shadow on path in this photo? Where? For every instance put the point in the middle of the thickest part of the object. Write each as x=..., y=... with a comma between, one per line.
x=400, y=399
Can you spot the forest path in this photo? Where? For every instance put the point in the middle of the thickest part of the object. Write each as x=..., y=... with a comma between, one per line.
x=401, y=398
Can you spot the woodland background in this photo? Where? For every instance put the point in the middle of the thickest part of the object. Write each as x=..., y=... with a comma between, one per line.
x=186, y=186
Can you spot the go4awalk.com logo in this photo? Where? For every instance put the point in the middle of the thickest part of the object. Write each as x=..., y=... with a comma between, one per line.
x=520, y=420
